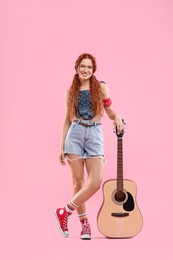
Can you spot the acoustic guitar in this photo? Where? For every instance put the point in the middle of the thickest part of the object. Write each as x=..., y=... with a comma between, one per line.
x=119, y=215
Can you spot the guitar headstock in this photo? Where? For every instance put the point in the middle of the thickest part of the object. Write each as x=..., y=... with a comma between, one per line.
x=122, y=132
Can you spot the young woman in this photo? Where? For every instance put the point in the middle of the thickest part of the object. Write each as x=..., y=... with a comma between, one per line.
x=82, y=139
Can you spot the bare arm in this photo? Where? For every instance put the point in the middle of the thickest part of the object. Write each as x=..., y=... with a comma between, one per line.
x=110, y=111
x=65, y=128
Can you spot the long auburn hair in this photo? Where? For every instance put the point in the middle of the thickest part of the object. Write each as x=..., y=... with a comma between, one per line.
x=95, y=89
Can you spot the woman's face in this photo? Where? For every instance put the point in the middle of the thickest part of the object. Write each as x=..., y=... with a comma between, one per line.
x=85, y=69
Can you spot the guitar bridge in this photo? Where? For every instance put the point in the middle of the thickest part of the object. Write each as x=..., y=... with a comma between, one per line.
x=120, y=214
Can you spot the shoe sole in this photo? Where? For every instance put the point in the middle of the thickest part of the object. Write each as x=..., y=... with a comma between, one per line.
x=62, y=232
x=86, y=237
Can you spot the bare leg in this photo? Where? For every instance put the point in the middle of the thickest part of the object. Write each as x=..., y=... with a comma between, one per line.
x=94, y=168
x=77, y=169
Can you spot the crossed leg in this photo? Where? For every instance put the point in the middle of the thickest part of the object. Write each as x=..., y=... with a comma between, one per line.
x=82, y=193
x=77, y=169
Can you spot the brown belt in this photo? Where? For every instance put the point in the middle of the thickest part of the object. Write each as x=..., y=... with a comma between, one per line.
x=86, y=123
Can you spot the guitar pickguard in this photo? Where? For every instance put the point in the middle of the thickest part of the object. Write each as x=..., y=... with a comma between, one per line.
x=129, y=204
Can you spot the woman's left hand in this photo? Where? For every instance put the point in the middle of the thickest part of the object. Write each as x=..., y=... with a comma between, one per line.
x=118, y=123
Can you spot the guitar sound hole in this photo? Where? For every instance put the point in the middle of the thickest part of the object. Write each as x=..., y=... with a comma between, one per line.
x=120, y=196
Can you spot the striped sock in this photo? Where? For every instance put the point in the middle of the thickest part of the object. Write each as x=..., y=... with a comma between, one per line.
x=82, y=217
x=70, y=207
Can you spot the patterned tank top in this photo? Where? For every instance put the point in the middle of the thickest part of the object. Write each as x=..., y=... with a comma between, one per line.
x=84, y=108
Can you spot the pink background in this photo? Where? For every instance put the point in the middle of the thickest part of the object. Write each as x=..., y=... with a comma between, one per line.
x=40, y=41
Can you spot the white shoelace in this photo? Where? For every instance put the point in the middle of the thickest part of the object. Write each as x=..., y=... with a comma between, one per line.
x=86, y=228
x=64, y=222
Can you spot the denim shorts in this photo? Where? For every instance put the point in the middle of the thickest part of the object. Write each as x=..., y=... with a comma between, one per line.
x=84, y=141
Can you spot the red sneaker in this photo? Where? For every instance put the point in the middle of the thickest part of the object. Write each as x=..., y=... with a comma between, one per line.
x=86, y=230
x=62, y=217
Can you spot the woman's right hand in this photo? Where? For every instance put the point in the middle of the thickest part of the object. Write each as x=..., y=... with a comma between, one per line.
x=62, y=158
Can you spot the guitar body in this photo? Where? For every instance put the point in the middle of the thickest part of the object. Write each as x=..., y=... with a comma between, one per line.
x=119, y=215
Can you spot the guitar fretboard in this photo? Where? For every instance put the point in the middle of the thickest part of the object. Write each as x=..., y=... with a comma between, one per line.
x=120, y=164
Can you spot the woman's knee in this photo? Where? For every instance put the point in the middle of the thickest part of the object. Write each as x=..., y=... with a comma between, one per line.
x=78, y=183
x=95, y=186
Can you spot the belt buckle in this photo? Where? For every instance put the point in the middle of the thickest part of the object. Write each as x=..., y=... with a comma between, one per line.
x=85, y=123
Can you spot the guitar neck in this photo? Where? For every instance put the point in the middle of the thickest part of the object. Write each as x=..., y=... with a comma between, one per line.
x=120, y=164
